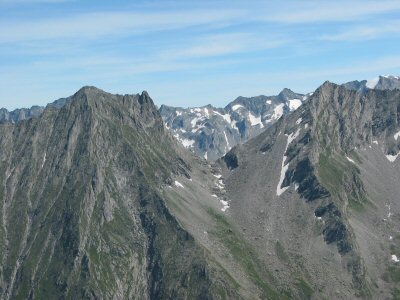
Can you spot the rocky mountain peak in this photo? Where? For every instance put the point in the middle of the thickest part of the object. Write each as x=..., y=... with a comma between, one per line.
x=382, y=82
x=326, y=160
x=287, y=94
x=90, y=90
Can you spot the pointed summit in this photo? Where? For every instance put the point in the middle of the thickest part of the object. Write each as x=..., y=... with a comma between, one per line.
x=287, y=93
x=89, y=90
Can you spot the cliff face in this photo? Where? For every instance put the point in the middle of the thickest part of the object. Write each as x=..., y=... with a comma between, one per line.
x=82, y=212
x=321, y=185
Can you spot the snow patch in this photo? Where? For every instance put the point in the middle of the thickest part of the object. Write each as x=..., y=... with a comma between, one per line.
x=394, y=258
x=279, y=190
x=221, y=187
x=305, y=126
x=294, y=104
x=396, y=135
x=390, y=214
x=9, y=174
x=268, y=121
x=187, y=143
x=278, y=111
x=255, y=120
x=392, y=158
x=178, y=184
x=371, y=84
x=236, y=107
x=228, y=119
x=290, y=138
x=197, y=128
x=350, y=160
x=299, y=121
x=44, y=160
x=194, y=121
x=205, y=155
x=391, y=77
x=228, y=147
x=375, y=142
x=269, y=102
x=225, y=205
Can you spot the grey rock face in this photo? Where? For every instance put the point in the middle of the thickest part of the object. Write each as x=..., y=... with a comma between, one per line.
x=211, y=132
x=317, y=188
x=83, y=212
x=18, y=115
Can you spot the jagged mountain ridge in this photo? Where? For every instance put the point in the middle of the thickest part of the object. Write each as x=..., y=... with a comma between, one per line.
x=110, y=206
x=21, y=114
x=82, y=214
x=211, y=132
x=329, y=168
x=99, y=201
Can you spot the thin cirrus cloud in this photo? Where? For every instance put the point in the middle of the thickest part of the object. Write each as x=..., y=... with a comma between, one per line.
x=18, y=2
x=337, y=11
x=95, y=25
x=366, y=32
x=251, y=47
x=100, y=24
x=359, y=67
x=225, y=44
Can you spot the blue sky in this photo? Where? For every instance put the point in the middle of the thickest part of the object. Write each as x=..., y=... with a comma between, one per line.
x=191, y=53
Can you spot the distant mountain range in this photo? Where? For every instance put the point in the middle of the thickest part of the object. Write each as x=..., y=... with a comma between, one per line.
x=21, y=114
x=99, y=200
x=211, y=132
x=387, y=82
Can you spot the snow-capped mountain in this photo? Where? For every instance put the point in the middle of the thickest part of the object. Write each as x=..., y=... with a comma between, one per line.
x=382, y=82
x=211, y=132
